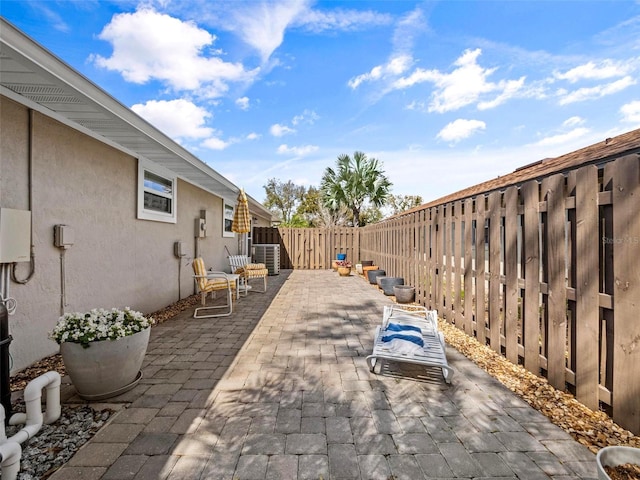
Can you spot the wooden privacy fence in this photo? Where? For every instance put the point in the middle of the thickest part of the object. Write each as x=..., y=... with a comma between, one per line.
x=546, y=273
x=310, y=248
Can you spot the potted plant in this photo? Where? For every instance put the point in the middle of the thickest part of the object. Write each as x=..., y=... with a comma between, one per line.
x=103, y=350
x=344, y=268
x=614, y=457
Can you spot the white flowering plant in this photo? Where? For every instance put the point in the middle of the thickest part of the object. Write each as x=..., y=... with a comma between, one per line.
x=98, y=324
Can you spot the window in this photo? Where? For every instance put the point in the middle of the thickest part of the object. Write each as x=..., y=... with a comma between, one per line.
x=156, y=193
x=227, y=218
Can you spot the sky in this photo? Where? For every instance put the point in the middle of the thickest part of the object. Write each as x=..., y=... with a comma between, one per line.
x=446, y=94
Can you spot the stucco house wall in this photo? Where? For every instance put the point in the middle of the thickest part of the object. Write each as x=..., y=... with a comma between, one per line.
x=116, y=260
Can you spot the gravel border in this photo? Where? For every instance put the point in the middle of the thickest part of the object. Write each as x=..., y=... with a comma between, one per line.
x=55, y=444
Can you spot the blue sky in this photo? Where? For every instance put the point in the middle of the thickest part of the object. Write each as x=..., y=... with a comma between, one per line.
x=446, y=94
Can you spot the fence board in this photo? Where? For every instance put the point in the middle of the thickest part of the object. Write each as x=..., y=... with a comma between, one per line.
x=531, y=310
x=457, y=261
x=511, y=290
x=440, y=268
x=481, y=331
x=553, y=187
x=495, y=303
x=447, y=266
x=626, y=244
x=468, y=267
x=433, y=255
x=587, y=318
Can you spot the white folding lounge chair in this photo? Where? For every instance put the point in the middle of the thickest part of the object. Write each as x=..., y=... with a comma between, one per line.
x=410, y=335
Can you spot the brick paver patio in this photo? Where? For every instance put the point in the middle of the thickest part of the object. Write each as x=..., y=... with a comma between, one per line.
x=281, y=390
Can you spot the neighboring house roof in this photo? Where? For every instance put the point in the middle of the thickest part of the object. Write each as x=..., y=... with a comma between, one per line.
x=33, y=76
x=606, y=150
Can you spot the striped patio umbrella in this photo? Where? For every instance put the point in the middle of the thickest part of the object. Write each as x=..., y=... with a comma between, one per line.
x=241, y=217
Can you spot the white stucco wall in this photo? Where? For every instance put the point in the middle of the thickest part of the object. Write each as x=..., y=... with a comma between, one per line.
x=116, y=260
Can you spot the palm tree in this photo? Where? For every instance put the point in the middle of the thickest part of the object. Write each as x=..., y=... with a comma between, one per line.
x=353, y=182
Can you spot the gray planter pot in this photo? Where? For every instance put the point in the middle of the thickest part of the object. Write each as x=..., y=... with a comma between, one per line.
x=387, y=284
x=379, y=279
x=404, y=293
x=372, y=274
x=108, y=367
x=614, y=456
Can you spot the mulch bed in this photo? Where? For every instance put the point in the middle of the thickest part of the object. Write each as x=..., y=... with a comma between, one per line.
x=595, y=430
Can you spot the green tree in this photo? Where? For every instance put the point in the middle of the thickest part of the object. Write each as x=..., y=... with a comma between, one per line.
x=401, y=203
x=309, y=208
x=283, y=198
x=354, y=183
x=371, y=214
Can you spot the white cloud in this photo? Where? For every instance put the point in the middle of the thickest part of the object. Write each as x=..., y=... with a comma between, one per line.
x=297, y=151
x=253, y=136
x=573, y=121
x=307, y=116
x=401, y=59
x=177, y=118
x=464, y=85
x=510, y=88
x=562, y=138
x=631, y=112
x=409, y=26
x=243, y=103
x=599, y=91
x=215, y=143
x=262, y=24
x=395, y=66
x=592, y=71
x=278, y=130
x=317, y=20
x=51, y=16
x=148, y=45
x=460, y=129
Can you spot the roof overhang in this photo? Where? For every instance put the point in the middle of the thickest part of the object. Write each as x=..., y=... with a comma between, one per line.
x=34, y=77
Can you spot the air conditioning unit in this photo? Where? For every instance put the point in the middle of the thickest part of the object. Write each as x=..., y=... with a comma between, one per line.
x=269, y=254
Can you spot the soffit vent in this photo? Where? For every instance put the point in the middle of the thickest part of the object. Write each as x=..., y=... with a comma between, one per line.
x=43, y=93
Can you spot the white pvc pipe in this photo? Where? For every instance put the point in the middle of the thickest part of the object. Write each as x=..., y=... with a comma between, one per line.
x=10, y=453
x=32, y=396
x=3, y=435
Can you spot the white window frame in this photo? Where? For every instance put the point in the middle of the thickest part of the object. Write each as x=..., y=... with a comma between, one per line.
x=225, y=209
x=166, y=174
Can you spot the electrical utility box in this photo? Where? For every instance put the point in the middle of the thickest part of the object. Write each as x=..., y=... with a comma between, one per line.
x=15, y=235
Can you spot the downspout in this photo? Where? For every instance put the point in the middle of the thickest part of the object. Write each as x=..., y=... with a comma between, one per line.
x=5, y=340
x=32, y=261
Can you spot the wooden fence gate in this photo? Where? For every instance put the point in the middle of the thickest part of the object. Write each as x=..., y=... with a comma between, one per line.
x=311, y=248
